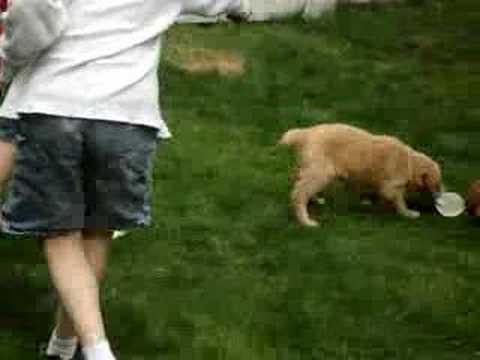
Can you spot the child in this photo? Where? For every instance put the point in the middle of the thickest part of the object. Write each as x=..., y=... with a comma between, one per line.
x=87, y=122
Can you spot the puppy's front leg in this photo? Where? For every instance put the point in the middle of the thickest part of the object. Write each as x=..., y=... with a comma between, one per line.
x=402, y=208
x=396, y=194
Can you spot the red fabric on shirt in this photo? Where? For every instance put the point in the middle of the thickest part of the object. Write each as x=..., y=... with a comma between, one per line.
x=3, y=8
x=3, y=5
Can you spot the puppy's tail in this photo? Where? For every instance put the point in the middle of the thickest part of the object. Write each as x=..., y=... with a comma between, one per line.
x=292, y=137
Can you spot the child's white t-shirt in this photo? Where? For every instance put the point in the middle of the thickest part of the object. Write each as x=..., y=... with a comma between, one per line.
x=104, y=65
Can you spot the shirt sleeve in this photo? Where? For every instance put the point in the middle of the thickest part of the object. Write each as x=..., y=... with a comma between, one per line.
x=212, y=7
x=31, y=26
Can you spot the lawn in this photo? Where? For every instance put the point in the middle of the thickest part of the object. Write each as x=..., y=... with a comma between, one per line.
x=225, y=272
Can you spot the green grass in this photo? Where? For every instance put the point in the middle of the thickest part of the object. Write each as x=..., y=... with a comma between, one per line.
x=225, y=272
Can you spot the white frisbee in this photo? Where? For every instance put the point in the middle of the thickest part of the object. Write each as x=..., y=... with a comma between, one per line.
x=450, y=204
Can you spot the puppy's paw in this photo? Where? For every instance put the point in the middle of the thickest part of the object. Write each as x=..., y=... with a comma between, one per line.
x=366, y=202
x=412, y=214
x=309, y=223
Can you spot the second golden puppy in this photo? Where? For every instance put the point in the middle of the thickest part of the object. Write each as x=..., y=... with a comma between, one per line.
x=337, y=151
x=473, y=199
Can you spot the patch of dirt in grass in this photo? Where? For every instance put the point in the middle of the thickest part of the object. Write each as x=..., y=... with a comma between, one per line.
x=207, y=61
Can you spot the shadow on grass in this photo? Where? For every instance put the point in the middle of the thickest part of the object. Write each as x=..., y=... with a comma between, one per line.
x=26, y=301
x=131, y=336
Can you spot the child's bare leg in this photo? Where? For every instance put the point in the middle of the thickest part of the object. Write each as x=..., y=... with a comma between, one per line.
x=7, y=162
x=96, y=246
x=77, y=285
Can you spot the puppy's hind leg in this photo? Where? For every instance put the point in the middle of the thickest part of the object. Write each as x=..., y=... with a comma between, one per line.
x=309, y=182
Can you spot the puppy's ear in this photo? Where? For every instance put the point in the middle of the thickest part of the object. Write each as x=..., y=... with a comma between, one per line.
x=416, y=183
x=425, y=181
x=431, y=183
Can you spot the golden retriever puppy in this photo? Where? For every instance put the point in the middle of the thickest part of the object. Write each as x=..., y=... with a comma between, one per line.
x=473, y=199
x=329, y=152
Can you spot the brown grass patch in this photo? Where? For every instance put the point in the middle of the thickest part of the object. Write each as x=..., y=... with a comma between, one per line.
x=207, y=61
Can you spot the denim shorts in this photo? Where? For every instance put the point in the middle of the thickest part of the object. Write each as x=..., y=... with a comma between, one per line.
x=76, y=174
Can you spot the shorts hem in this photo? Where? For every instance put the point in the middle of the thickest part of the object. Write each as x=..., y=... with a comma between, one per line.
x=7, y=228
